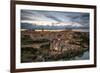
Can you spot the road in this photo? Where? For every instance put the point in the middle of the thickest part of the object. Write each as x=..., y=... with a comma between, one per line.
x=35, y=45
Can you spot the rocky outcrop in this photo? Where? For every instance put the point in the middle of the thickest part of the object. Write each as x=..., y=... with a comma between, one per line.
x=53, y=46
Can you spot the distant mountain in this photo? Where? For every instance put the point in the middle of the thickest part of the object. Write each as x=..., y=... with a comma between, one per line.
x=48, y=27
x=27, y=26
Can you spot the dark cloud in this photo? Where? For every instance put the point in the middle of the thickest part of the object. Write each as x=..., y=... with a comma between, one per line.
x=58, y=16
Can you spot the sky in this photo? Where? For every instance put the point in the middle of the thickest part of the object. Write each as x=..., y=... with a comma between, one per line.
x=55, y=18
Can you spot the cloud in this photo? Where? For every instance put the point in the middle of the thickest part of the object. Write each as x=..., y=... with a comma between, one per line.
x=75, y=19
